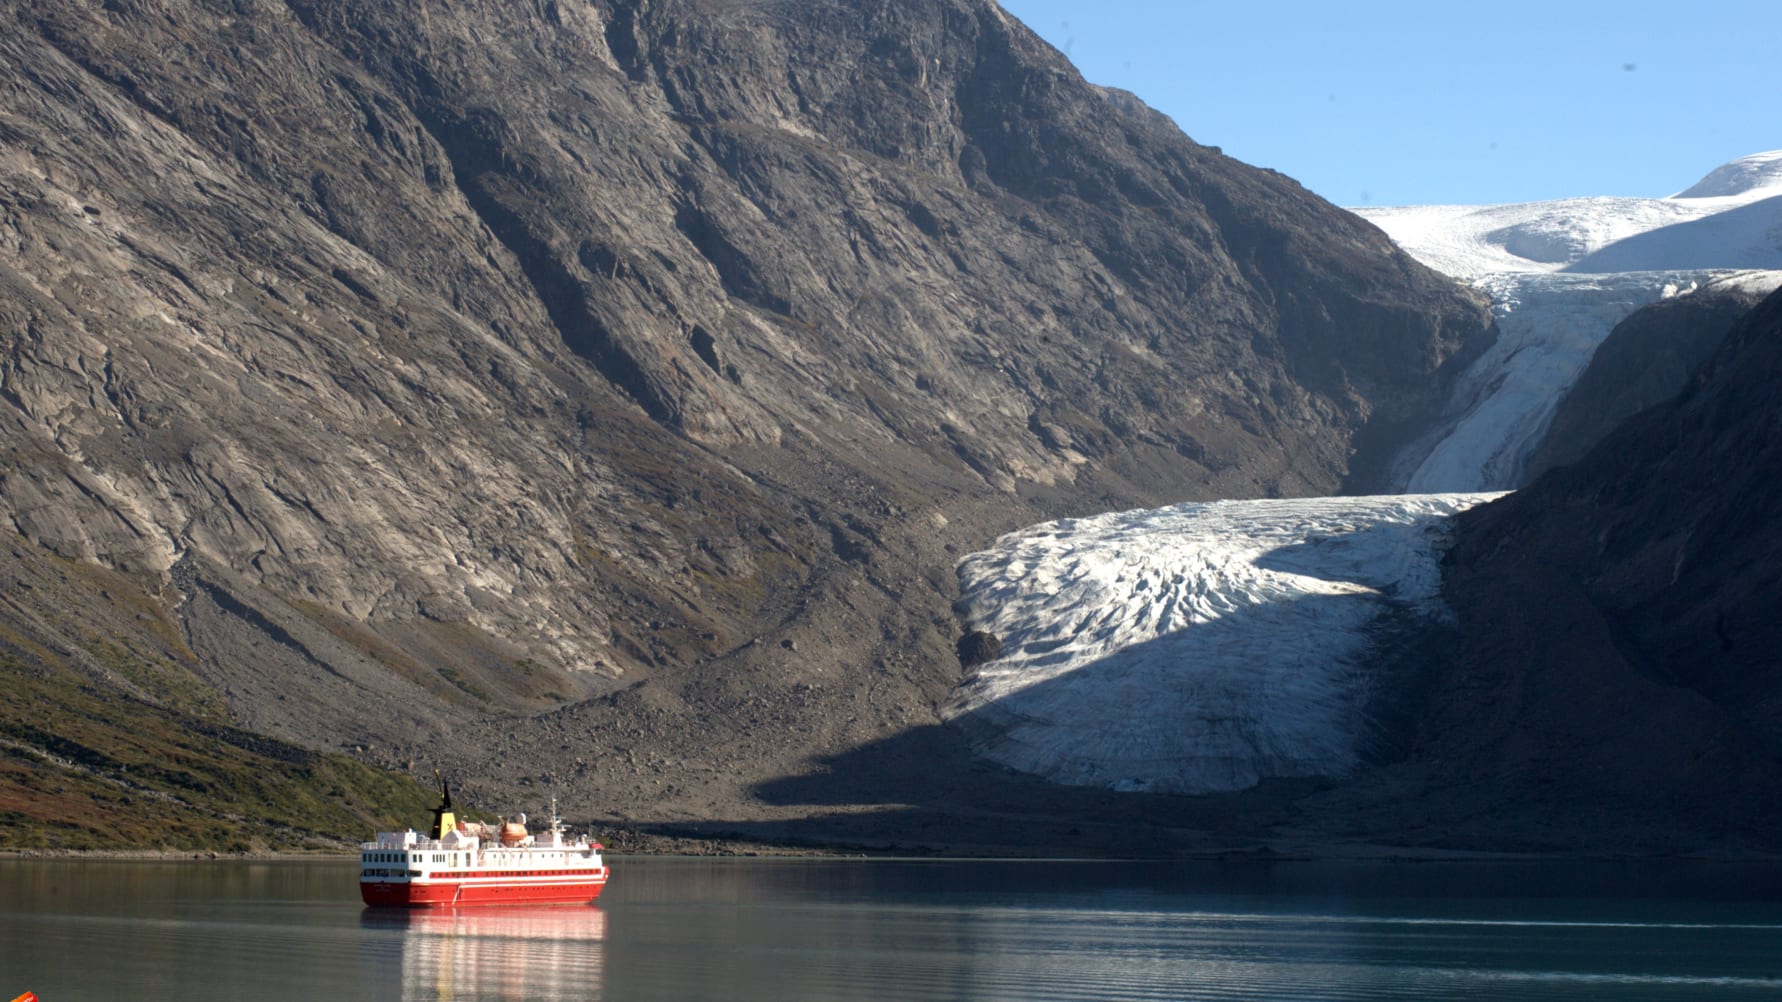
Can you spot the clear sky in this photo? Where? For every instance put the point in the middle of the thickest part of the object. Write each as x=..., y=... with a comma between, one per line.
x=1388, y=103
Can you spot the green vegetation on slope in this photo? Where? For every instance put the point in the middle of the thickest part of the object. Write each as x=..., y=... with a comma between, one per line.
x=84, y=769
x=109, y=739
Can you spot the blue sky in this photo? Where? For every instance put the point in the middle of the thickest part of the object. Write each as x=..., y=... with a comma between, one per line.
x=1378, y=103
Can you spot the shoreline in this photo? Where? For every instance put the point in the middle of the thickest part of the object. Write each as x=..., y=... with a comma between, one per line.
x=668, y=846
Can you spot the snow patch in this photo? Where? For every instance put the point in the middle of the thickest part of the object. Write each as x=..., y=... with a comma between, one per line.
x=1196, y=648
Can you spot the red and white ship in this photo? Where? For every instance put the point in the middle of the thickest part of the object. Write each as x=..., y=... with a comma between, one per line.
x=469, y=863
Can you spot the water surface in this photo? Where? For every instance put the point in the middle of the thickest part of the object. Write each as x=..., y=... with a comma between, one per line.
x=795, y=930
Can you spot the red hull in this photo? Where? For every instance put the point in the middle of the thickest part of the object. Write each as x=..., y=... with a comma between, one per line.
x=445, y=892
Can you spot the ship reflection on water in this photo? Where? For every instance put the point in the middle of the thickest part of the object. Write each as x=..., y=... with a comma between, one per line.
x=523, y=952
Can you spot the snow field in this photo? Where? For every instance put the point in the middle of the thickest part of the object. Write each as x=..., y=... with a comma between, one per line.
x=1561, y=275
x=1732, y=219
x=1197, y=648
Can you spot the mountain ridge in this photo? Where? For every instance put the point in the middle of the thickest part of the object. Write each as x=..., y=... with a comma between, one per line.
x=505, y=387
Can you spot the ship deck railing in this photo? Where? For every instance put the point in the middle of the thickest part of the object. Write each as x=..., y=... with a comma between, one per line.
x=473, y=844
x=399, y=844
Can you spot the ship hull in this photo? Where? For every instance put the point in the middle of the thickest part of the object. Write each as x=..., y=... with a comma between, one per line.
x=445, y=892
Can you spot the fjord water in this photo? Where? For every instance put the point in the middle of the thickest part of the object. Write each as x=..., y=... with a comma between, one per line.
x=793, y=930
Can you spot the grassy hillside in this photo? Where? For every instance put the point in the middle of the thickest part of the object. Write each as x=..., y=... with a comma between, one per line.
x=110, y=740
x=85, y=769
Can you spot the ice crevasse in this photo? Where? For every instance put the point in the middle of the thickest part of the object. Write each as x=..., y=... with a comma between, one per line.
x=1196, y=648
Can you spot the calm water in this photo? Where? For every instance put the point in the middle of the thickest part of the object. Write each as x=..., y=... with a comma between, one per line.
x=787, y=931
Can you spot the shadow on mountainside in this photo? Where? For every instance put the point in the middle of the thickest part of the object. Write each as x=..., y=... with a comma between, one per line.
x=926, y=789
x=1592, y=760
x=1729, y=239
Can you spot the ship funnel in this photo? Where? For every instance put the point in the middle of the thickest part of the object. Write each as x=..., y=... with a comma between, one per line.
x=443, y=818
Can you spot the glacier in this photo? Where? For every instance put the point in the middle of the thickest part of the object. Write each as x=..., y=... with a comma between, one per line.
x=1205, y=647
x=1549, y=326
x=1561, y=274
x=1196, y=648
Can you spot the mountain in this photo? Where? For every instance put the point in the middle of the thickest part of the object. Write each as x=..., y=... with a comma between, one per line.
x=1617, y=618
x=592, y=398
x=1560, y=276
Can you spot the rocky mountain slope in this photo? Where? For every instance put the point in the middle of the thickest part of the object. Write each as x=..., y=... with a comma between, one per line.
x=596, y=395
x=1645, y=361
x=1614, y=661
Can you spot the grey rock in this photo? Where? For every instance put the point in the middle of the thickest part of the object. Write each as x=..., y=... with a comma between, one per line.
x=1611, y=682
x=466, y=370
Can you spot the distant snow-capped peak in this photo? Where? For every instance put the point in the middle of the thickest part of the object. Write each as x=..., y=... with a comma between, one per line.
x=1759, y=172
x=1732, y=218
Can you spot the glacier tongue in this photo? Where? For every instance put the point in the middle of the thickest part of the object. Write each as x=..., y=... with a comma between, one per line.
x=1561, y=275
x=1102, y=681
x=1549, y=326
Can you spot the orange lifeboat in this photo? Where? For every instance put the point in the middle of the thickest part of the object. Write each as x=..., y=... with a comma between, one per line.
x=512, y=833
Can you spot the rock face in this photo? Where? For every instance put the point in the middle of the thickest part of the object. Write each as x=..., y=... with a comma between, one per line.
x=636, y=366
x=1646, y=360
x=1613, y=679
